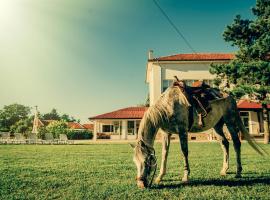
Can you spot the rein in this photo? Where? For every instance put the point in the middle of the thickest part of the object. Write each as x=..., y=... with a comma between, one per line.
x=152, y=156
x=148, y=163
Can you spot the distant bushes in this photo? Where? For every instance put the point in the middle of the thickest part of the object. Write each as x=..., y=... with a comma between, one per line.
x=103, y=136
x=79, y=135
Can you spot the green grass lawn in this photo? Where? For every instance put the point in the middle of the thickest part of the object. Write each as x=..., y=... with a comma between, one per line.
x=100, y=171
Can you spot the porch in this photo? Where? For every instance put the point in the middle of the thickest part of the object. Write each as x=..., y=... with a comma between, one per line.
x=116, y=129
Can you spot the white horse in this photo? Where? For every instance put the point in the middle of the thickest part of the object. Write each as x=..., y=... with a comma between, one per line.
x=171, y=114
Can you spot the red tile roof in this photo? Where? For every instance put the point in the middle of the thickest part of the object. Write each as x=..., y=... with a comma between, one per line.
x=89, y=126
x=196, y=57
x=125, y=113
x=74, y=125
x=245, y=104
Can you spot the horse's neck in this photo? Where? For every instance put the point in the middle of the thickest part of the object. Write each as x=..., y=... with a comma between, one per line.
x=147, y=133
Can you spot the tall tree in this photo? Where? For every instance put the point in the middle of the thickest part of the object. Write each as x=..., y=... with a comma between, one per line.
x=22, y=126
x=68, y=118
x=53, y=115
x=12, y=114
x=249, y=73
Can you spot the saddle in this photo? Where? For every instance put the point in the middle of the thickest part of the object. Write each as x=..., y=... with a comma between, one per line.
x=198, y=95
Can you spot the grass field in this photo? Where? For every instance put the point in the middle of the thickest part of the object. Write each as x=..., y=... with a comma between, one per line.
x=100, y=171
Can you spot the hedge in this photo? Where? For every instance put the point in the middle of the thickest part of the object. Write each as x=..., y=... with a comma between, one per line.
x=79, y=135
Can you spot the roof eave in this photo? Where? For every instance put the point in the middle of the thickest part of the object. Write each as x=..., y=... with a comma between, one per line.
x=113, y=118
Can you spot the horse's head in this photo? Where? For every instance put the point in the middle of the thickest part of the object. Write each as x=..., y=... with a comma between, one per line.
x=145, y=160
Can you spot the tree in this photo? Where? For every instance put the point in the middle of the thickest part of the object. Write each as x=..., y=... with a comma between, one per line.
x=22, y=126
x=53, y=115
x=41, y=132
x=57, y=128
x=12, y=114
x=67, y=118
x=249, y=73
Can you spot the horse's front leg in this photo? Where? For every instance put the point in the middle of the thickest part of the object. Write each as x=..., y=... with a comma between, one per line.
x=184, y=147
x=166, y=138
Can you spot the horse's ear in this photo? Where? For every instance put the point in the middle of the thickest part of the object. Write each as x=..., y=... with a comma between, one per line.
x=132, y=146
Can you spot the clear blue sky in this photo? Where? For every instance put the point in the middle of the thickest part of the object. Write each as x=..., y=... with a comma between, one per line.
x=87, y=57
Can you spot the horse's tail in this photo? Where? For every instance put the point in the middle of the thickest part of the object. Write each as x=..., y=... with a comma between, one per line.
x=248, y=137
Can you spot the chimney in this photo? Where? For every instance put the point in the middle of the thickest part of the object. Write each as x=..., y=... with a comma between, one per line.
x=150, y=54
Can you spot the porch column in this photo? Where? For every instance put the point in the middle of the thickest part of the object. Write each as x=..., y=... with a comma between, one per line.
x=95, y=130
x=119, y=129
x=135, y=130
x=124, y=129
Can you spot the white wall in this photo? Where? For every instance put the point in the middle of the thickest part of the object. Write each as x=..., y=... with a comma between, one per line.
x=186, y=71
x=159, y=71
x=154, y=83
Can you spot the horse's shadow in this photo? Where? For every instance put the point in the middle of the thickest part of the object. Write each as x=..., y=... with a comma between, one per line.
x=244, y=181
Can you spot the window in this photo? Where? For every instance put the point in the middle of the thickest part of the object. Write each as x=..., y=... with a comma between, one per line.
x=209, y=82
x=245, y=119
x=116, y=128
x=107, y=128
x=166, y=84
x=189, y=82
x=131, y=127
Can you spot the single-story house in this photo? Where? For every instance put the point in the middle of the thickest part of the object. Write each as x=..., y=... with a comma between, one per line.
x=119, y=124
x=252, y=116
x=75, y=126
x=89, y=127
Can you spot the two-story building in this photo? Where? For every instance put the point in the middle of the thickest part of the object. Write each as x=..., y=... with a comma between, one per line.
x=160, y=74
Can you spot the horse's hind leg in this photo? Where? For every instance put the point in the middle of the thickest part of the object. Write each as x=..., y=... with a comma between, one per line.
x=237, y=146
x=165, y=150
x=224, y=145
x=184, y=148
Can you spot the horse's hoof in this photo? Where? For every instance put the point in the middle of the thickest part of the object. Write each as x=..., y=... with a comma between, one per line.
x=157, y=181
x=184, y=180
x=140, y=184
x=222, y=173
x=238, y=176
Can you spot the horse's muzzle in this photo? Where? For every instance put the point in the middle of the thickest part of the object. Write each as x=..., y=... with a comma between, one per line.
x=141, y=182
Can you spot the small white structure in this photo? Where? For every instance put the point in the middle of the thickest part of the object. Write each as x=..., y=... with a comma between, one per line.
x=252, y=116
x=36, y=122
x=121, y=124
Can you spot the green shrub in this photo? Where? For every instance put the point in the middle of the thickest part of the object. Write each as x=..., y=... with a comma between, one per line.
x=79, y=135
x=103, y=136
x=41, y=132
x=57, y=128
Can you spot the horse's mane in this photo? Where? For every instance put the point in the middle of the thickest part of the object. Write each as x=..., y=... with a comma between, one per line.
x=163, y=109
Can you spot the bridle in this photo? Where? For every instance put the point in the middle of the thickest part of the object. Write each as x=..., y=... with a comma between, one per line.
x=150, y=163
